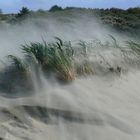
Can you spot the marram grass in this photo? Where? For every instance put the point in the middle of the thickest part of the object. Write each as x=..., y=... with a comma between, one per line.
x=51, y=57
x=135, y=47
x=18, y=63
x=60, y=59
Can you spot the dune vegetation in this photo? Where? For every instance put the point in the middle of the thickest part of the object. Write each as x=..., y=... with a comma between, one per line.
x=123, y=21
x=66, y=60
x=57, y=59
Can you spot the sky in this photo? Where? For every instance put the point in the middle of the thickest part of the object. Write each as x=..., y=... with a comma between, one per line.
x=12, y=6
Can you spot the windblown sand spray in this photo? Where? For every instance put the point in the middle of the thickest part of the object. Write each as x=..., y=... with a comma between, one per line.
x=93, y=107
x=102, y=100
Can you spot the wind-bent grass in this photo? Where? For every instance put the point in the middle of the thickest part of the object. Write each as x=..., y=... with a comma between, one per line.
x=59, y=57
x=36, y=51
x=16, y=77
x=84, y=45
x=18, y=63
x=54, y=57
x=62, y=59
x=135, y=47
x=85, y=68
x=114, y=42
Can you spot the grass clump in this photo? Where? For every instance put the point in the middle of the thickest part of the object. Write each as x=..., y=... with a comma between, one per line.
x=135, y=47
x=36, y=51
x=16, y=78
x=52, y=57
x=61, y=60
x=18, y=64
x=85, y=68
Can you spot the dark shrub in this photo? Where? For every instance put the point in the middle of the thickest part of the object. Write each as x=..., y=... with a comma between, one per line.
x=23, y=12
x=55, y=8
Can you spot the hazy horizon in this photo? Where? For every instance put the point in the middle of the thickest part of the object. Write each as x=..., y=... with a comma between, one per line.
x=13, y=6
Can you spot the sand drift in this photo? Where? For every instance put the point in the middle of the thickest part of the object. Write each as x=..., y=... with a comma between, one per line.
x=73, y=78
x=101, y=105
x=94, y=107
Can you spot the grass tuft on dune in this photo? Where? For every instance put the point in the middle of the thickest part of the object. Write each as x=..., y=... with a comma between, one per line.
x=62, y=59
